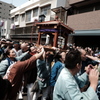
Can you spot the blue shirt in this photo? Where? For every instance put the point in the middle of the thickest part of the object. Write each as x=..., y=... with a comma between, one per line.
x=67, y=88
x=54, y=72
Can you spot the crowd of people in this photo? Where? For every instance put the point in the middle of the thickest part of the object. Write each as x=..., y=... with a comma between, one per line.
x=71, y=74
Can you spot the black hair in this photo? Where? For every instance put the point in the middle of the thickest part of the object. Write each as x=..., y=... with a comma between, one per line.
x=8, y=52
x=73, y=58
x=9, y=40
x=57, y=57
x=16, y=42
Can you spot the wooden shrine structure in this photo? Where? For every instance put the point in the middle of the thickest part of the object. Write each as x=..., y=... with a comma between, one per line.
x=54, y=29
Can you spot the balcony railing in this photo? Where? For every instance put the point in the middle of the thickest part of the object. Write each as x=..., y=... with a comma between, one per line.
x=25, y=36
x=75, y=1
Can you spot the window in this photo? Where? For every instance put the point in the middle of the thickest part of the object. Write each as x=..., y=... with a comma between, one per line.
x=4, y=30
x=87, y=9
x=97, y=6
x=45, y=10
x=35, y=12
x=23, y=17
x=10, y=6
x=16, y=18
x=12, y=20
x=28, y=16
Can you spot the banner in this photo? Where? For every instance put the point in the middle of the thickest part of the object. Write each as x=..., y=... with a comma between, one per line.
x=1, y=23
x=13, y=26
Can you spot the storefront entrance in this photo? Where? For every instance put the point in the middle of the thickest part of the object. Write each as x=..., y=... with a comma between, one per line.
x=87, y=41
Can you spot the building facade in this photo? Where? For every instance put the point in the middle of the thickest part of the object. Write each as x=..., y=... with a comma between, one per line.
x=24, y=17
x=83, y=17
x=5, y=21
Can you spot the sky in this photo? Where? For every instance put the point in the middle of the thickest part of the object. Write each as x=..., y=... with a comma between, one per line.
x=15, y=2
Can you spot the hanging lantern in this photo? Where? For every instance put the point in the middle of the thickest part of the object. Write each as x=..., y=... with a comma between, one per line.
x=42, y=18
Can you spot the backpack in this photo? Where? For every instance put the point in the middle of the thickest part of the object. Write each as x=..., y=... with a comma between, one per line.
x=9, y=61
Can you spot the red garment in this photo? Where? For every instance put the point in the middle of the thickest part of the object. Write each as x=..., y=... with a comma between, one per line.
x=32, y=53
x=16, y=74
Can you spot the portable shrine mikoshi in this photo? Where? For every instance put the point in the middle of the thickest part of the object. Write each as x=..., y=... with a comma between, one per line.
x=53, y=29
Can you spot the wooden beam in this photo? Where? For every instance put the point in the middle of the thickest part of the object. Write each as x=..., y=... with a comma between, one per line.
x=55, y=39
x=39, y=38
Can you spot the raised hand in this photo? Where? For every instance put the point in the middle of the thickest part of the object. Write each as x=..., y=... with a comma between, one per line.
x=93, y=78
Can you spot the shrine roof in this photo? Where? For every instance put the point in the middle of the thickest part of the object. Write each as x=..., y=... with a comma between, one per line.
x=55, y=23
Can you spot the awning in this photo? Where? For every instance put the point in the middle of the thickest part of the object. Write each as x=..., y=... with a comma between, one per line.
x=12, y=16
x=17, y=13
x=22, y=12
x=58, y=9
x=86, y=33
x=32, y=7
